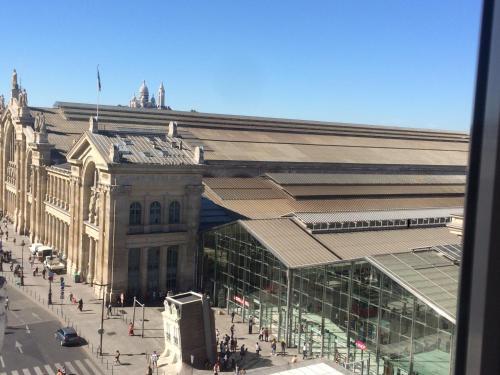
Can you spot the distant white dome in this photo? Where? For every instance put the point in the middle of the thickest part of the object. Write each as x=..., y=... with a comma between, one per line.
x=143, y=91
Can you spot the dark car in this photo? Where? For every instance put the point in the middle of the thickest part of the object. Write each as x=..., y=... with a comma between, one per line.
x=67, y=336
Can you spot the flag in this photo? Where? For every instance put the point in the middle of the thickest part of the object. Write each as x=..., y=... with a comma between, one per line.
x=98, y=79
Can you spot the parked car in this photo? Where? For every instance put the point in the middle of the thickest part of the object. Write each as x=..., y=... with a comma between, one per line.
x=67, y=336
x=34, y=247
x=54, y=264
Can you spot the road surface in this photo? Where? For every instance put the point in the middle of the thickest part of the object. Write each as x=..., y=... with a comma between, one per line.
x=30, y=347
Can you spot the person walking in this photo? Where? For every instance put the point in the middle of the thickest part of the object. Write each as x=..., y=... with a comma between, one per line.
x=216, y=368
x=109, y=311
x=304, y=351
x=7, y=303
x=257, y=348
x=261, y=333
x=154, y=359
x=232, y=316
x=117, y=358
x=273, y=347
x=80, y=305
x=131, y=329
x=70, y=297
x=266, y=334
x=44, y=272
x=250, y=325
x=283, y=347
x=232, y=330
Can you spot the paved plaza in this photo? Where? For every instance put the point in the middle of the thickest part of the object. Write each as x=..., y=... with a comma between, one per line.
x=135, y=350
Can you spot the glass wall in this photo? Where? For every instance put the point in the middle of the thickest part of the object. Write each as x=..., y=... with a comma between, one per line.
x=349, y=312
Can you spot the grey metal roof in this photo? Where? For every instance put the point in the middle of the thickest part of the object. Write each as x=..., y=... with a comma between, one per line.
x=333, y=217
x=143, y=149
x=371, y=190
x=364, y=179
x=354, y=245
x=427, y=274
x=289, y=243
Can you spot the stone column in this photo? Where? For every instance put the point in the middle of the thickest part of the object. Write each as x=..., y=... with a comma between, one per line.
x=144, y=272
x=163, y=268
x=92, y=262
x=34, y=193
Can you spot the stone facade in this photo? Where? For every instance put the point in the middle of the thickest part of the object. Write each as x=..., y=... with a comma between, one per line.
x=97, y=211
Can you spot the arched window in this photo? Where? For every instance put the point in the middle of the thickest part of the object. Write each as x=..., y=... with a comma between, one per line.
x=155, y=213
x=135, y=214
x=174, y=213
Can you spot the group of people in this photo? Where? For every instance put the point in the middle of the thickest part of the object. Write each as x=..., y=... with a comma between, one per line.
x=78, y=302
x=227, y=348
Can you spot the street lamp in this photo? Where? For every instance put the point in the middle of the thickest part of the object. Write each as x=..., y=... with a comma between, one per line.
x=22, y=262
x=49, y=299
x=100, y=331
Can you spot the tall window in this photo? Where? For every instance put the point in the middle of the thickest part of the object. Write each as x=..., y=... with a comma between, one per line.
x=134, y=259
x=172, y=255
x=135, y=214
x=153, y=271
x=155, y=213
x=174, y=213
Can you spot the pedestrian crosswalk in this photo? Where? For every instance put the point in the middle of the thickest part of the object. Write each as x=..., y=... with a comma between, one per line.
x=76, y=367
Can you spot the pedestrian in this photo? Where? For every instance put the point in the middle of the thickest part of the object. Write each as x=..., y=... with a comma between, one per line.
x=283, y=347
x=273, y=347
x=242, y=351
x=266, y=334
x=12, y=266
x=232, y=330
x=257, y=348
x=149, y=370
x=216, y=368
x=261, y=333
x=154, y=359
x=7, y=303
x=131, y=329
x=250, y=325
x=70, y=297
x=80, y=305
x=232, y=316
x=217, y=334
x=304, y=351
x=117, y=358
x=44, y=272
x=109, y=312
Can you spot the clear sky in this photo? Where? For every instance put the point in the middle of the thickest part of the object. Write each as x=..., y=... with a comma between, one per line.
x=390, y=62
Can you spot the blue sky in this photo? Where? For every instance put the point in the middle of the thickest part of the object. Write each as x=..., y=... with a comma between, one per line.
x=391, y=62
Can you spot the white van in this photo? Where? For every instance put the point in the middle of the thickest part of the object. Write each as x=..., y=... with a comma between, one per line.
x=44, y=251
x=34, y=247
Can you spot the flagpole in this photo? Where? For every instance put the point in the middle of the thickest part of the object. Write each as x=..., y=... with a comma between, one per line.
x=98, y=92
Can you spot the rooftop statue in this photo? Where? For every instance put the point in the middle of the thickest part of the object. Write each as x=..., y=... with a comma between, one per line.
x=40, y=125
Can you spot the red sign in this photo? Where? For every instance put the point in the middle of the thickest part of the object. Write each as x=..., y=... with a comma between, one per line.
x=360, y=344
x=241, y=301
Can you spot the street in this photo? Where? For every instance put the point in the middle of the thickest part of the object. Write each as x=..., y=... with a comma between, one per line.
x=30, y=346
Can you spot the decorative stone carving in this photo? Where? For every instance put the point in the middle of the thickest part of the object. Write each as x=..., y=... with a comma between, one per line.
x=14, y=80
x=114, y=153
x=40, y=126
x=199, y=155
x=172, y=129
x=92, y=204
x=23, y=98
x=97, y=206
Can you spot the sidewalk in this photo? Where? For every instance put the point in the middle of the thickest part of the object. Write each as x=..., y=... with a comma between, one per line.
x=134, y=350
